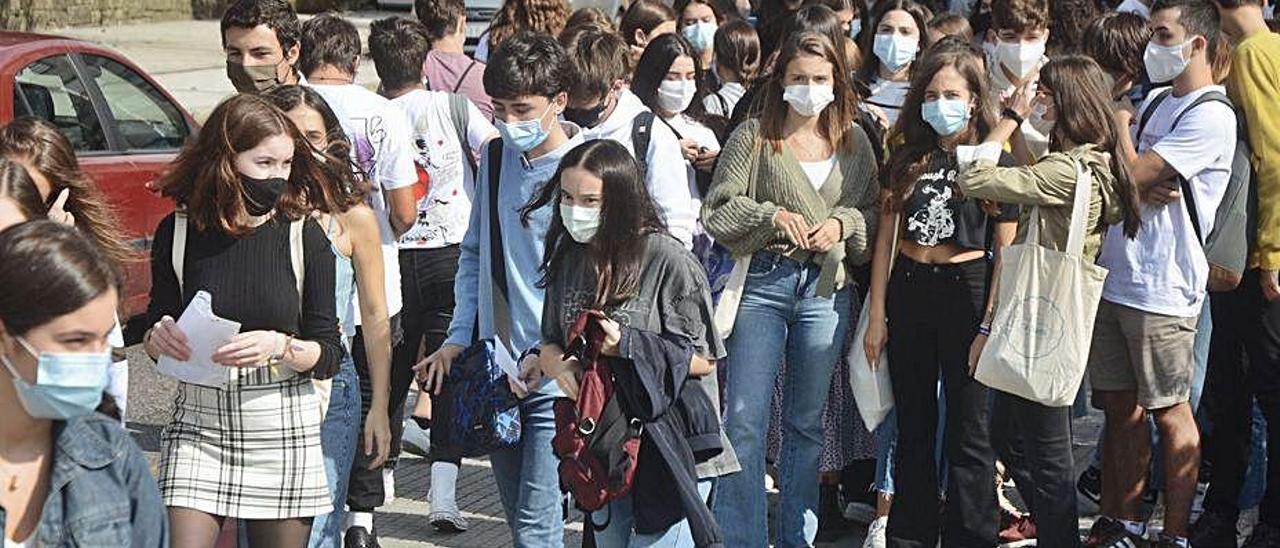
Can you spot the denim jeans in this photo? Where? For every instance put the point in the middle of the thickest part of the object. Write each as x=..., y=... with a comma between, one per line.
x=339, y=435
x=780, y=316
x=528, y=479
x=620, y=520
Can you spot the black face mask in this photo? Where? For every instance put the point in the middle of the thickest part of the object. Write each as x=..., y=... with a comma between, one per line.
x=261, y=195
x=587, y=117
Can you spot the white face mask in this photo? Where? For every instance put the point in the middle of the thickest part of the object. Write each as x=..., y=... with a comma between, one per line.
x=1021, y=58
x=676, y=95
x=809, y=100
x=1164, y=63
x=580, y=222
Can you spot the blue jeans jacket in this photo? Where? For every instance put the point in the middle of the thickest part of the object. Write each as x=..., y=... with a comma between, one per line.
x=101, y=491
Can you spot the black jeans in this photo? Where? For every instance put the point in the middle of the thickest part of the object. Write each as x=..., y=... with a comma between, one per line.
x=1244, y=363
x=364, y=488
x=427, y=277
x=1034, y=442
x=934, y=312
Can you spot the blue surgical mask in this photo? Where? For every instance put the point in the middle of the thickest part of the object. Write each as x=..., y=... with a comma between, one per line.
x=855, y=28
x=946, y=116
x=580, y=222
x=701, y=35
x=525, y=135
x=68, y=385
x=895, y=51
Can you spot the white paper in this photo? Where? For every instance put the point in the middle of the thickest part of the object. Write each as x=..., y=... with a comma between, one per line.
x=966, y=155
x=508, y=364
x=205, y=334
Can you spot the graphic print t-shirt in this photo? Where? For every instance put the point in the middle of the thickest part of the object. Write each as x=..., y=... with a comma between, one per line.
x=937, y=213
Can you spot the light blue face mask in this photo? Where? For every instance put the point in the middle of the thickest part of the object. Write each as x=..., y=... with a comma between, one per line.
x=524, y=135
x=701, y=35
x=855, y=28
x=895, y=51
x=68, y=385
x=946, y=116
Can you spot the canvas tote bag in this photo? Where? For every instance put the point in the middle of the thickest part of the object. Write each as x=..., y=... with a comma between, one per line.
x=1047, y=301
x=726, y=312
x=872, y=389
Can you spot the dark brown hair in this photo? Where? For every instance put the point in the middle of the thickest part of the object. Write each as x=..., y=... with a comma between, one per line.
x=439, y=17
x=398, y=47
x=277, y=15
x=591, y=18
x=343, y=185
x=920, y=14
x=836, y=119
x=328, y=39
x=1068, y=20
x=627, y=215
x=1019, y=15
x=644, y=15
x=596, y=59
x=915, y=141
x=515, y=16
x=49, y=270
x=737, y=50
x=40, y=144
x=1198, y=18
x=204, y=179
x=1116, y=41
x=16, y=185
x=530, y=63
x=1082, y=104
x=952, y=24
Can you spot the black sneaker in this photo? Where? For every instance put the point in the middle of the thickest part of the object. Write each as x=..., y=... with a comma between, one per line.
x=1109, y=533
x=359, y=537
x=1090, y=484
x=1213, y=530
x=1263, y=536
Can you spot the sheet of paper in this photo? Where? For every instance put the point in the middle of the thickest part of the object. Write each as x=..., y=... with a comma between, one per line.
x=508, y=364
x=205, y=334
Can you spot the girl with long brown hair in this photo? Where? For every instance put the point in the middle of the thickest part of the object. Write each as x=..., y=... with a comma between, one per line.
x=245, y=438
x=1074, y=94
x=925, y=310
x=795, y=192
x=75, y=199
x=515, y=16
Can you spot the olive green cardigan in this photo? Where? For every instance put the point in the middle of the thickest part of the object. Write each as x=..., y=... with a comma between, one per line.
x=739, y=213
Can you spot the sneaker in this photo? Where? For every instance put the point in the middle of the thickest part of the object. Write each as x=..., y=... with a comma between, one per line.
x=388, y=485
x=359, y=537
x=415, y=440
x=860, y=512
x=1264, y=536
x=448, y=521
x=1090, y=484
x=1213, y=530
x=1017, y=530
x=1109, y=533
x=876, y=533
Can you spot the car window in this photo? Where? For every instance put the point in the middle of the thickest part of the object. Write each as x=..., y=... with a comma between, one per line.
x=51, y=89
x=144, y=117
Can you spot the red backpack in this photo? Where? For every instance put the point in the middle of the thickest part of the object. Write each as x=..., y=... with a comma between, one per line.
x=596, y=442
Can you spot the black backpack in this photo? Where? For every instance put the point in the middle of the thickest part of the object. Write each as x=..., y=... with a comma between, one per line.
x=1227, y=246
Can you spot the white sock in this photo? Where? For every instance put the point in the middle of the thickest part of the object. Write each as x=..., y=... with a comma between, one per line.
x=444, y=484
x=361, y=519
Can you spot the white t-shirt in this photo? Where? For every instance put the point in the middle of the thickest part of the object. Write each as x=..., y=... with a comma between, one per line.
x=1164, y=270
x=380, y=147
x=724, y=100
x=889, y=96
x=1134, y=6
x=688, y=128
x=443, y=213
x=818, y=172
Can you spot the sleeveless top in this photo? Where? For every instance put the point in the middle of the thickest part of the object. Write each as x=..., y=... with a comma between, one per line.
x=345, y=282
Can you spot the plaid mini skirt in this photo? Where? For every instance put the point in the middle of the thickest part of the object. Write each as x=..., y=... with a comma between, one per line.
x=250, y=450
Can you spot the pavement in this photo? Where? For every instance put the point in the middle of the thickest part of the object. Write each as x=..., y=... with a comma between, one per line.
x=186, y=58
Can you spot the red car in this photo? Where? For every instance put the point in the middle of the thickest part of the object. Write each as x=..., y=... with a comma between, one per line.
x=124, y=126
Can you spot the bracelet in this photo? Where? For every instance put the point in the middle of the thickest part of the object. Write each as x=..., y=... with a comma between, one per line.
x=535, y=351
x=1012, y=115
x=984, y=330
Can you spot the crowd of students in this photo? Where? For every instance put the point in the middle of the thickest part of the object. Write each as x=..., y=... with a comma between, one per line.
x=713, y=189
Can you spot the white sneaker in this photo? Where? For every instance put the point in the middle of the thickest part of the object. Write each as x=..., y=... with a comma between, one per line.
x=388, y=485
x=876, y=533
x=415, y=440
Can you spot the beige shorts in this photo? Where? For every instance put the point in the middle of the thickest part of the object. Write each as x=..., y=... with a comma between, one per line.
x=1151, y=354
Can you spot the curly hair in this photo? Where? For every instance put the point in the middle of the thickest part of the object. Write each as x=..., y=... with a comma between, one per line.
x=546, y=16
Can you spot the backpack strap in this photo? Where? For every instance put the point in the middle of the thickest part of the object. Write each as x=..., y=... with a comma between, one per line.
x=463, y=77
x=461, y=117
x=1190, y=197
x=178, y=253
x=497, y=267
x=297, y=256
x=1150, y=110
x=641, y=134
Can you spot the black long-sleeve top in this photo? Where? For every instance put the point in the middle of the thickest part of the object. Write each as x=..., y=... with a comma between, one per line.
x=251, y=281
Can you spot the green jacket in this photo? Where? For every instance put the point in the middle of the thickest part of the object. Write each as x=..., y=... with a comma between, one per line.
x=1050, y=184
x=738, y=212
